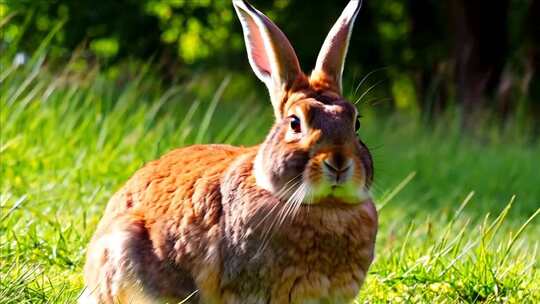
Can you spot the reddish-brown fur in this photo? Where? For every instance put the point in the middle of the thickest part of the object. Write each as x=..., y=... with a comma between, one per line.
x=166, y=201
x=212, y=223
x=324, y=249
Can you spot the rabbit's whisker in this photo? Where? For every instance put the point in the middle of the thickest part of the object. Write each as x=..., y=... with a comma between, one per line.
x=288, y=206
x=277, y=207
x=367, y=91
x=283, y=212
x=301, y=198
x=291, y=184
x=295, y=202
x=287, y=188
x=280, y=195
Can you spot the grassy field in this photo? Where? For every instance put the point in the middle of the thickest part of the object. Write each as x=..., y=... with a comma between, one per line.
x=456, y=211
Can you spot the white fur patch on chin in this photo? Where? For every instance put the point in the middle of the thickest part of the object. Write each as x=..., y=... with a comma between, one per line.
x=261, y=178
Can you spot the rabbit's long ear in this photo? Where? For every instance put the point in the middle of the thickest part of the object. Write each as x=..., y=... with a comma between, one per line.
x=331, y=59
x=270, y=53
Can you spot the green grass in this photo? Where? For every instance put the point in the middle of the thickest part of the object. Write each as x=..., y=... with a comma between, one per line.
x=456, y=210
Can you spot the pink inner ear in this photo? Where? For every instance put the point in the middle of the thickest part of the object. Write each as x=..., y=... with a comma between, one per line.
x=258, y=53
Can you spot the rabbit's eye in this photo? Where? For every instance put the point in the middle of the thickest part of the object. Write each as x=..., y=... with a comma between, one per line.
x=357, y=125
x=295, y=124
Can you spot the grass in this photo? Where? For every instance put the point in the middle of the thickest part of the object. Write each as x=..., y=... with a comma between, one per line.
x=456, y=211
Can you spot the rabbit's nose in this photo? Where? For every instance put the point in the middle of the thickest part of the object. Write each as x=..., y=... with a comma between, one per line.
x=338, y=168
x=337, y=162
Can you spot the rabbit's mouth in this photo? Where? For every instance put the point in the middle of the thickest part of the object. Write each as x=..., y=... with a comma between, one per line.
x=336, y=179
x=347, y=193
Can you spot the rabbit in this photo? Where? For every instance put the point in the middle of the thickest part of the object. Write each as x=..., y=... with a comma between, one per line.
x=288, y=221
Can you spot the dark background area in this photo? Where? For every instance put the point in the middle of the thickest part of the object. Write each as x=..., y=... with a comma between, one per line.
x=423, y=55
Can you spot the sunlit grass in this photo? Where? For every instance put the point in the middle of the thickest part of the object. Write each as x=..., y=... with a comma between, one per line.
x=69, y=139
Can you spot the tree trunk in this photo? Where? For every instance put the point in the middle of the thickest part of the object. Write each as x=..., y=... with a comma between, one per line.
x=480, y=48
x=531, y=85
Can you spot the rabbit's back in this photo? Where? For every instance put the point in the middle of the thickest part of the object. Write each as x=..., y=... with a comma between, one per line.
x=166, y=185
x=161, y=226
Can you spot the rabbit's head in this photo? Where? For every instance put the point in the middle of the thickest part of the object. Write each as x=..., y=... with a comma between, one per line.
x=312, y=153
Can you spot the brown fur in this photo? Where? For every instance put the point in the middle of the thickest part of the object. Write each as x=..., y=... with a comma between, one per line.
x=185, y=236
x=223, y=224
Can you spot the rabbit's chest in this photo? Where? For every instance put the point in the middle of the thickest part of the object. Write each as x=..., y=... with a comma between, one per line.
x=300, y=263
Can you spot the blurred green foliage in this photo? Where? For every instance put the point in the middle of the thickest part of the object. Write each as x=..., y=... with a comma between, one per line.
x=195, y=28
x=413, y=40
x=198, y=30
